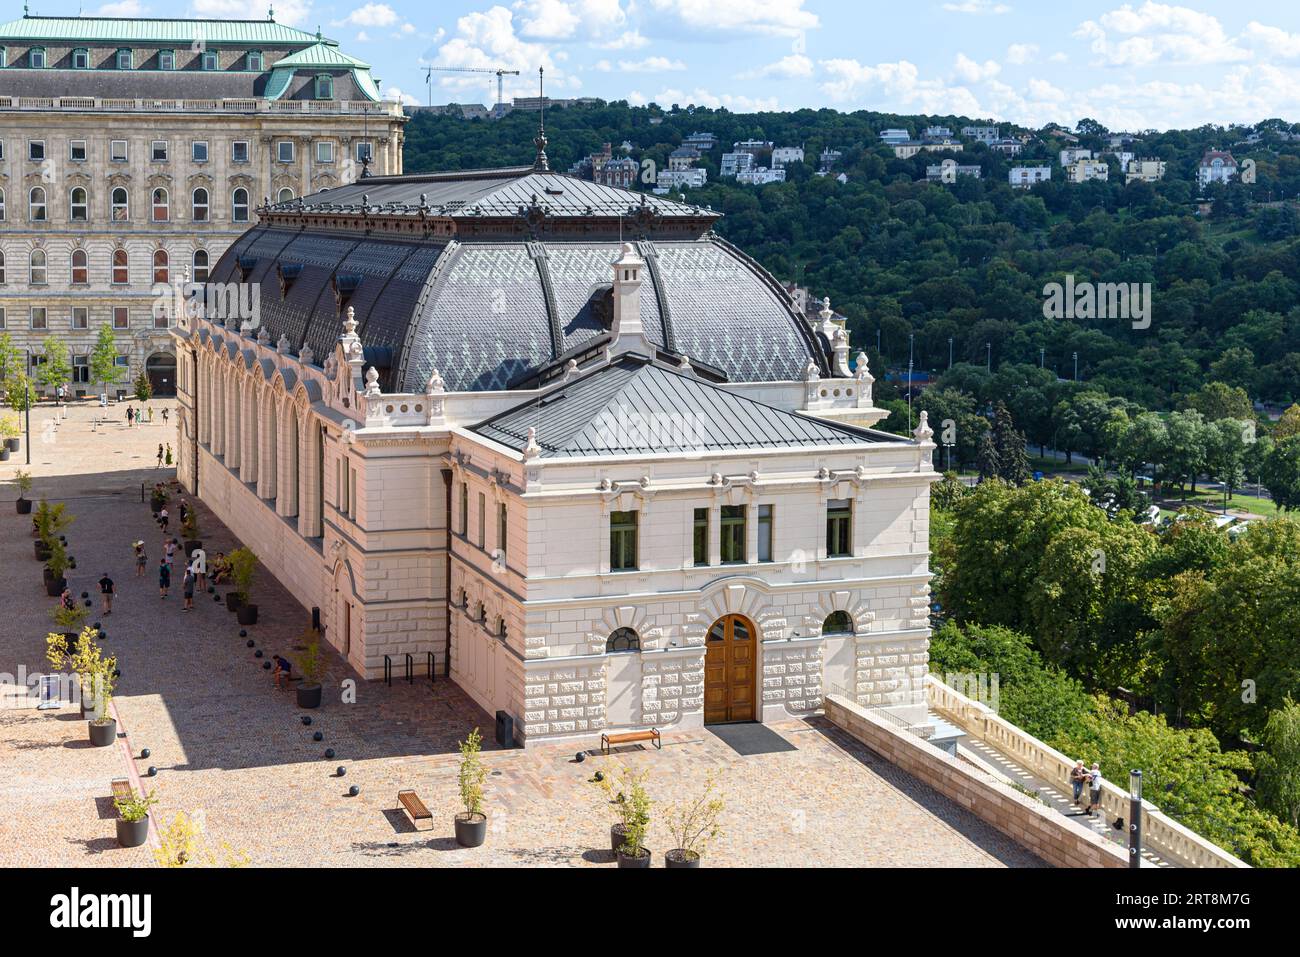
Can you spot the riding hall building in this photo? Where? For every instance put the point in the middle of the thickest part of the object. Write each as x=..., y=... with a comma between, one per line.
x=567, y=441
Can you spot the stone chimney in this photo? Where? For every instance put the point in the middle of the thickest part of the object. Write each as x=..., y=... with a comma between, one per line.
x=628, y=332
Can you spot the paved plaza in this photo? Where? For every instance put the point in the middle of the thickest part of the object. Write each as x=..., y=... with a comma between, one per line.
x=231, y=749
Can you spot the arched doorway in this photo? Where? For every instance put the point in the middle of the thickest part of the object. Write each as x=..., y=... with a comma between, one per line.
x=161, y=370
x=730, y=671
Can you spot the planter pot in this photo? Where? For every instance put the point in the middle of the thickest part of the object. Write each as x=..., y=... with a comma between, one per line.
x=232, y=601
x=616, y=837
x=191, y=547
x=247, y=614
x=46, y=575
x=42, y=552
x=641, y=860
x=471, y=829
x=132, y=833
x=4, y=453
x=679, y=858
x=24, y=506
x=102, y=735
x=309, y=696
x=54, y=587
x=13, y=444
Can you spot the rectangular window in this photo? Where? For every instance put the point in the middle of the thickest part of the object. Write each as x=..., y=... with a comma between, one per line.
x=364, y=152
x=77, y=151
x=2, y=317
x=464, y=508
x=501, y=530
x=352, y=493
x=158, y=151
x=117, y=151
x=160, y=320
x=166, y=59
x=839, y=528
x=36, y=58
x=125, y=60
x=36, y=150
x=37, y=318
x=2, y=149
x=199, y=151
x=209, y=61
x=284, y=151
x=121, y=317
x=733, y=534
x=482, y=521
x=324, y=152
x=81, y=59
x=701, y=536
x=765, y=533
x=324, y=87
x=239, y=151
x=622, y=541
x=255, y=61
x=4, y=58
x=80, y=317
x=80, y=368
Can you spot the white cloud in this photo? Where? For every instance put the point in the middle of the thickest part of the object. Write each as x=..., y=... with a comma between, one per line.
x=968, y=71
x=363, y=37
x=488, y=39
x=1019, y=53
x=1272, y=40
x=796, y=66
x=570, y=19
x=1159, y=33
x=977, y=7
x=699, y=97
x=125, y=8
x=371, y=15
x=290, y=12
x=653, y=64
x=899, y=85
x=627, y=40
x=395, y=94
x=774, y=17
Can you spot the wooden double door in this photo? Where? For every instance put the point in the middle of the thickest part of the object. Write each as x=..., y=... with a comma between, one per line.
x=731, y=671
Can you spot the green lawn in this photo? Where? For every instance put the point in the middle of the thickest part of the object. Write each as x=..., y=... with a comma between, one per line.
x=1214, y=500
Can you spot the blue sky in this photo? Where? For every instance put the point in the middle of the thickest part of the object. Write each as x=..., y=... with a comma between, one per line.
x=1132, y=66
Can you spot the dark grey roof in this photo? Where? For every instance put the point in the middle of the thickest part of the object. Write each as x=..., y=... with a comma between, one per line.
x=635, y=407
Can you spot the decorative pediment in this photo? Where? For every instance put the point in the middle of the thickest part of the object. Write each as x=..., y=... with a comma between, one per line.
x=195, y=180
x=118, y=178
x=159, y=179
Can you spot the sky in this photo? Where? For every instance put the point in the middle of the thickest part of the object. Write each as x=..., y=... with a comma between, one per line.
x=1132, y=66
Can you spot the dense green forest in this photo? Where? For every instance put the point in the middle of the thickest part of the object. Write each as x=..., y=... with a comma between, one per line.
x=902, y=257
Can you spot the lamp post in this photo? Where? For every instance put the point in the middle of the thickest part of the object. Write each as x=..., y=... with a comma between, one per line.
x=950, y=352
x=911, y=338
x=1135, y=819
x=27, y=404
x=1076, y=367
x=988, y=357
x=1042, y=357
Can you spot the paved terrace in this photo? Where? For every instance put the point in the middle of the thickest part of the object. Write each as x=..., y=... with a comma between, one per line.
x=231, y=749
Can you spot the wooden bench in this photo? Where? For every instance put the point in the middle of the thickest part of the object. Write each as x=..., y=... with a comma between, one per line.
x=122, y=790
x=627, y=737
x=414, y=807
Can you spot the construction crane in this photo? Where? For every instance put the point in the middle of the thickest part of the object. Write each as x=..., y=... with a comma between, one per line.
x=430, y=70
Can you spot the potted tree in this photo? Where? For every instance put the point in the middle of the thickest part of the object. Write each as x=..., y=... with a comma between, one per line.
x=158, y=499
x=23, y=480
x=243, y=566
x=626, y=792
x=133, y=818
x=55, y=565
x=190, y=531
x=70, y=621
x=71, y=655
x=471, y=824
x=101, y=672
x=693, y=826
x=312, y=666
x=10, y=432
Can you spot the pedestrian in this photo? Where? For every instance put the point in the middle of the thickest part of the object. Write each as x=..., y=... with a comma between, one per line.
x=164, y=416
x=164, y=578
x=185, y=511
x=160, y=456
x=1078, y=774
x=163, y=518
x=66, y=599
x=169, y=551
x=1094, y=788
x=141, y=560
x=130, y=416
x=282, y=673
x=169, y=453
x=106, y=591
x=189, y=589
x=149, y=409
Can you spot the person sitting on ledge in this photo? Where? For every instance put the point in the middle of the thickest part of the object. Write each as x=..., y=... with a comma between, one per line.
x=282, y=673
x=220, y=568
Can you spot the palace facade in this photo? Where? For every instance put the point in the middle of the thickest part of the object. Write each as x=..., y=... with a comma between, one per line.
x=134, y=151
x=568, y=445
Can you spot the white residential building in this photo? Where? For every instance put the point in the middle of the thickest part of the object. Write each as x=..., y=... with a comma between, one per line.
x=1123, y=157
x=948, y=172
x=1007, y=147
x=1083, y=170
x=787, y=154
x=735, y=163
x=981, y=134
x=692, y=178
x=1146, y=170
x=1023, y=177
x=936, y=133
x=1074, y=154
x=1216, y=167
x=895, y=136
x=760, y=176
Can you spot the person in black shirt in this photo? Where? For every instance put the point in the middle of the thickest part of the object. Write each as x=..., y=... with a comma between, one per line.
x=188, y=584
x=106, y=592
x=164, y=578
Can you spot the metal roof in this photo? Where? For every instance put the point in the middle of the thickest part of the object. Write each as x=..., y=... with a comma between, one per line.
x=151, y=30
x=635, y=407
x=321, y=54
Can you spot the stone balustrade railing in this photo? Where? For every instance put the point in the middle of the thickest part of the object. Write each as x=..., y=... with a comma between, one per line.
x=83, y=104
x=1163, y=834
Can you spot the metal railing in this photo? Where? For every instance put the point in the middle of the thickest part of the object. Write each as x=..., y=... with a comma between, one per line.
x=82, y=104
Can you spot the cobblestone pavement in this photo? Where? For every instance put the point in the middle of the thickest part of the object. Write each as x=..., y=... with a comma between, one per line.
x=231, y=750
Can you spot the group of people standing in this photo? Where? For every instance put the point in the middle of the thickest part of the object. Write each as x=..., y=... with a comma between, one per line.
x=1079, y=776
x=136, y=416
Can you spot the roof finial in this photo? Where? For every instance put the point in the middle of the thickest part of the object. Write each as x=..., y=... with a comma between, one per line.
x=270, y=12
x=541, y=164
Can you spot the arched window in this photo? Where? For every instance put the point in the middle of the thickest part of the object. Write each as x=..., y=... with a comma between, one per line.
x=2, y=206
x=161, y=204
x=480, y=613
x=121, y=268
x=199, y=206
x=120, y=205
x=36, y=268
x=160, y=264
x=80, y=267
x=78, y=205
x=239, y=205
x=36, y=205
x=285, y=195
x=623, y=639
x=200, y=265
x=837, y=623
x=500, y=630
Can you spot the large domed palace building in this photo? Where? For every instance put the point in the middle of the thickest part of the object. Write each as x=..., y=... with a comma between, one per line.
x=565, y=442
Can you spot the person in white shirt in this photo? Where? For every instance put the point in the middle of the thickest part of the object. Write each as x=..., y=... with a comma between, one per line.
x=1094, y=788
